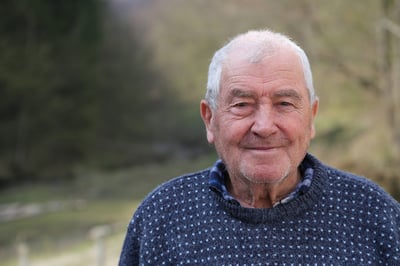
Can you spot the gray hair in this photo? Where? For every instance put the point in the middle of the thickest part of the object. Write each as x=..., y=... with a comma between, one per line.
x=256, y=44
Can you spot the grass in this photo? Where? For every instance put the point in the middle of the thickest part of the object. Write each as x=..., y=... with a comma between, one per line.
x=107, y=198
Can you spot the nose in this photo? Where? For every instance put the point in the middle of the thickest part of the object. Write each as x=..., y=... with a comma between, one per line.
x=264, y=123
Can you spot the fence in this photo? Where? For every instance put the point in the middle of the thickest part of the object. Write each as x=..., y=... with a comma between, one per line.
x=99, y=254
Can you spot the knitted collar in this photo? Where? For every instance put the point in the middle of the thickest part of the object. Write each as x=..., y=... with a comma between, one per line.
x=294, y=207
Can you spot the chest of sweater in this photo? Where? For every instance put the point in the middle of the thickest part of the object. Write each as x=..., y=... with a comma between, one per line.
x=195, y=236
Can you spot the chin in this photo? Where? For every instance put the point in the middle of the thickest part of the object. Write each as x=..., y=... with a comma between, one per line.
x=265, y=171
x=265, y=177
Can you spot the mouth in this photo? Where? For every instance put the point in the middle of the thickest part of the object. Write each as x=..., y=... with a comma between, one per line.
x=262, y=148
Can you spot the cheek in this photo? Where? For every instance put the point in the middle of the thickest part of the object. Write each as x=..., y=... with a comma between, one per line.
x=235, y=129
x=297, y=129
x=228, y=133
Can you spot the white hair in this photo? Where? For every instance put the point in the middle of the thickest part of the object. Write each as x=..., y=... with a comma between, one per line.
x=255, y=45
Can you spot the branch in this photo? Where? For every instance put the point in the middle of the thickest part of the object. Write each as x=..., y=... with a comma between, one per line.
x=389, y=25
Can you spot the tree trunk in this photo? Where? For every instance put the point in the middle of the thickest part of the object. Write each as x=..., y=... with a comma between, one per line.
x=389, y=54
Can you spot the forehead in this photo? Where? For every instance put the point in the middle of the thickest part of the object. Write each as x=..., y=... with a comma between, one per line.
x=278, y=69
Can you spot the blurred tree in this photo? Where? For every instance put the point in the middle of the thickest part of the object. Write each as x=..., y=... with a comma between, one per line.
x=47, y=49
x=76, y=87
x=134, y=99
x=389, y=58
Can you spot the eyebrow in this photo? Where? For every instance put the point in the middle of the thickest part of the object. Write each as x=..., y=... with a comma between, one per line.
x=291, y=93
x=241, y=93
x=288, y=93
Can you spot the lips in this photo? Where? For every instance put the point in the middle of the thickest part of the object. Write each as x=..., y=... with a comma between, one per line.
x=261, y=148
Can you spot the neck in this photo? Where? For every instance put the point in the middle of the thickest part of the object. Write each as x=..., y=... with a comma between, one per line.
x=255, y=195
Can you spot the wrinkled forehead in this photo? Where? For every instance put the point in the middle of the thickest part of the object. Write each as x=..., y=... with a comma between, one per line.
x=281, y=67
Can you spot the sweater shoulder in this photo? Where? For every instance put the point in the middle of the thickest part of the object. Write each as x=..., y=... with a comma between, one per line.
x=358, y=186
x=353, y=180
x=343, y=186
x=182, y=187
x=182, y=182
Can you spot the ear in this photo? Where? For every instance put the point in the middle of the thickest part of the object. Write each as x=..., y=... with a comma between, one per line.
x=207, y=116
x=314, y=110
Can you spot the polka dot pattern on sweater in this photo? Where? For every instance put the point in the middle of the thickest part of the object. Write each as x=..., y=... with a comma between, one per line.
x=342, y=220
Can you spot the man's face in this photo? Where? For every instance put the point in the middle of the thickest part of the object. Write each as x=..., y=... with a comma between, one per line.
x=263, y=124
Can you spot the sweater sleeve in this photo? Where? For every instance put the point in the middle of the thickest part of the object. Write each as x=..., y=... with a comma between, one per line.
x=130, y=254
x=389, y=236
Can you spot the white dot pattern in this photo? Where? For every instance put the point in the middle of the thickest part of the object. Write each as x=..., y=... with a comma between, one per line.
x=342, y=220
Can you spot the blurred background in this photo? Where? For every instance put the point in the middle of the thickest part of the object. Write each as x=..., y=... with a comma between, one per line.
x=99, y=103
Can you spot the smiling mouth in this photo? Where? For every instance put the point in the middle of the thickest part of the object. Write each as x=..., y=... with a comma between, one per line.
x=262, y=148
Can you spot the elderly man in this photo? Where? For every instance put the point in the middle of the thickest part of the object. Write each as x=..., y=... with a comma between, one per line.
x=266, y=201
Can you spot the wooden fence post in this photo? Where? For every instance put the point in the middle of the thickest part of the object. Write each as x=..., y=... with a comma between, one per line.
x=99, y=234
x=23, y=254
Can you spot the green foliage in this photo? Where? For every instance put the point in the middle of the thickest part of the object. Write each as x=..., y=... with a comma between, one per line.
x=71, y=94
x=46, y=56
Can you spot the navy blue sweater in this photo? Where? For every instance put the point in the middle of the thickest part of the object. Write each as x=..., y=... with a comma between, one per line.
x=343, y=219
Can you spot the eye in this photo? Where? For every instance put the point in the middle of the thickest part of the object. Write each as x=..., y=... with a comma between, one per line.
x=241, y=104
x=283, y=103
x=285, y=106
x=242, y=108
